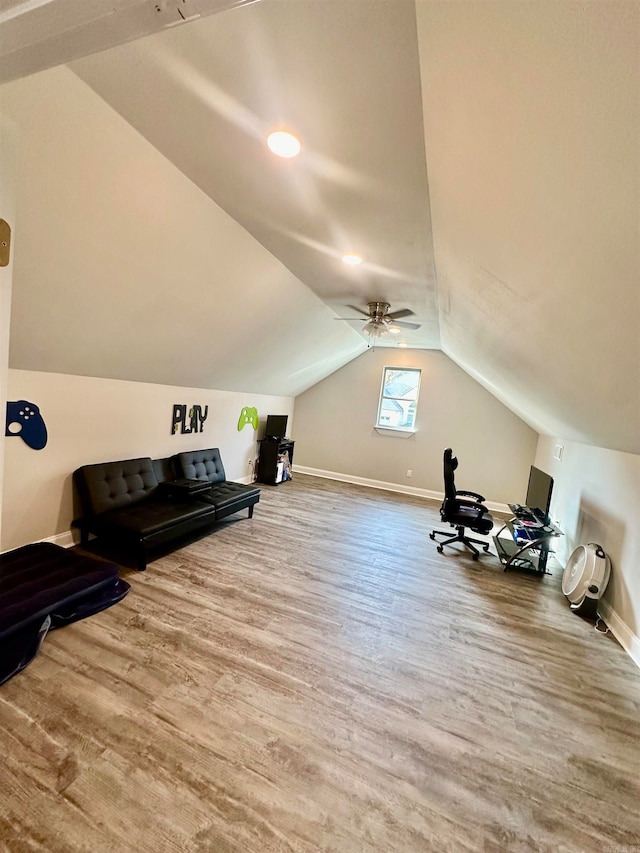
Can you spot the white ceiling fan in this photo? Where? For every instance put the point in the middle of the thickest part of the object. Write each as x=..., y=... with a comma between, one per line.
x=380, y=321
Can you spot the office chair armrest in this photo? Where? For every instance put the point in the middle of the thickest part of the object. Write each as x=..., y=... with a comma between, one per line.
x=479, y=498
x=478, y=508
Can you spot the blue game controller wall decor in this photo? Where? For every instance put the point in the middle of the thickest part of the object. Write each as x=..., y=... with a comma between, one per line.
x=24, y=420
x=248, y=415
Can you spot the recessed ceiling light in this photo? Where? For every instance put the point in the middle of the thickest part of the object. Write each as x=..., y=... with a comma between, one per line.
x=283, y=144
x=395, y=330
x=352, y=260
x=402, y=344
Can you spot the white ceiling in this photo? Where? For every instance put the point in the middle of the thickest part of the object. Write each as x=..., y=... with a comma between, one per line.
x=482, y=157
x=345, y=78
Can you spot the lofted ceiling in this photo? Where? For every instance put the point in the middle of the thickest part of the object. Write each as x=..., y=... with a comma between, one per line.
x=345, y=78
x=482, y=158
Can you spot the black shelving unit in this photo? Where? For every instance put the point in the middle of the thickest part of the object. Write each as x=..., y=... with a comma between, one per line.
x=272, y=451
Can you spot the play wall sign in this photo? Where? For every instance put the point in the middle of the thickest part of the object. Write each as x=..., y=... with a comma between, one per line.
x=184, y=421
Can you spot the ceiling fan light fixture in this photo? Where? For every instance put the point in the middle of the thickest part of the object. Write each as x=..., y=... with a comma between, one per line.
x=351, y=260
x=284, y=144
x=375, y=329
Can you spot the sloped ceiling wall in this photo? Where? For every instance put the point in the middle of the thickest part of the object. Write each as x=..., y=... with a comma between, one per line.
x=532, y=138
x=346, y=77
x=483, y=157
x=125, y=270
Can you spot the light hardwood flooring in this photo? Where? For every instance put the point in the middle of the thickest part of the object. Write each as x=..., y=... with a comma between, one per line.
x=320, y=680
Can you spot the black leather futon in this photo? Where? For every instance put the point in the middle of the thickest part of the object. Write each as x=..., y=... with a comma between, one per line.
x=144, y=503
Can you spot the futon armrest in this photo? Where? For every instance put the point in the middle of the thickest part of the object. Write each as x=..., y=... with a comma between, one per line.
x=463, y=493
x=183, y=488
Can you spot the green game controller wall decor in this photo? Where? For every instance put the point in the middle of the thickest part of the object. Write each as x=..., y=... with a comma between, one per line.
x=248, y=415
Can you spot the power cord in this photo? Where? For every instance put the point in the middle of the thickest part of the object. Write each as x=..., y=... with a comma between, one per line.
x=600, y=621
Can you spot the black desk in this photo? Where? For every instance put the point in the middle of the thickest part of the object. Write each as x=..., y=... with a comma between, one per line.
x=528, y=547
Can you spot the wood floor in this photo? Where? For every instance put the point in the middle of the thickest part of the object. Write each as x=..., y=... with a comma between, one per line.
x=320, y=680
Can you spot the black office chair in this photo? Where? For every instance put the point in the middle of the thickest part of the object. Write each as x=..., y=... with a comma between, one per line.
x=461, y=513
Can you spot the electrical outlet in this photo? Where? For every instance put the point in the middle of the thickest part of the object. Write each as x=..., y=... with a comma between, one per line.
x=409, y=472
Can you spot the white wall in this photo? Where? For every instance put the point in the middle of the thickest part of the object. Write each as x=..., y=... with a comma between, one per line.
x=8, y=143
x=596, y=498
x=124, y=269
x=100, y=420
x=334, y=429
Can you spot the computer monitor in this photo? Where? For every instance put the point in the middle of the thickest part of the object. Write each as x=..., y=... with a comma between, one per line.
x=276, y=426
x=539, y=491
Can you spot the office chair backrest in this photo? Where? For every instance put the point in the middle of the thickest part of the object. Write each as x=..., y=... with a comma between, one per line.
x=450, y=465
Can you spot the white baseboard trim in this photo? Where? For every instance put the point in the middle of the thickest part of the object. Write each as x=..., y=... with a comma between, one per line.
x=65, y=539
x=621, y=631
x=389, y=487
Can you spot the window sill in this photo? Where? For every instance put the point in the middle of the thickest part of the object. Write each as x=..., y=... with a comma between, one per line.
x=400, y=433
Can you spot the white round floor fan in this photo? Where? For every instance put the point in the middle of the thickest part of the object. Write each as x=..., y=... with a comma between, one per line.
x=585, y=578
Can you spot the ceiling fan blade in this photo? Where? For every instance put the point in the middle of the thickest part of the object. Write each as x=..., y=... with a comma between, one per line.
x=404, y=325
x=387, y=319
x=403, y=312
x=401, y=324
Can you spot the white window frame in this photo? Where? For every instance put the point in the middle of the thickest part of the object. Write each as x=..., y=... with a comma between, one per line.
x=385, y=428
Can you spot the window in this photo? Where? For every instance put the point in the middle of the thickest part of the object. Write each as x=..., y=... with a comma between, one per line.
x=399, y=398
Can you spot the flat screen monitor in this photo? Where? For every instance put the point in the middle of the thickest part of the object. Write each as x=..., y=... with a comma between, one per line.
x=539, y=491
x=276, y=426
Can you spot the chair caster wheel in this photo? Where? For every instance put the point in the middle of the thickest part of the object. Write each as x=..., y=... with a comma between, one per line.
x=432, y=536
x=486, y=549
x=439, y=549
x=474, y=556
